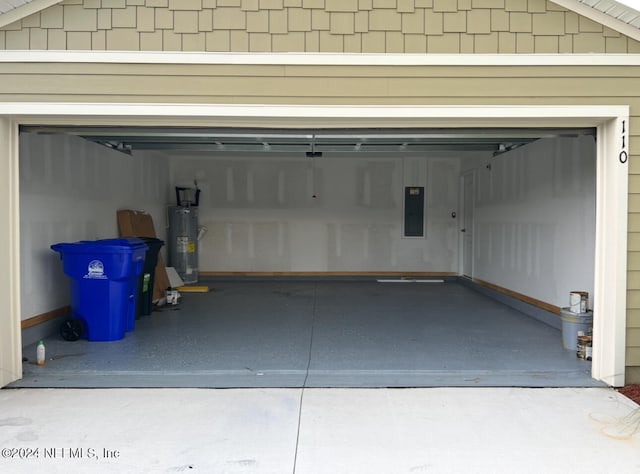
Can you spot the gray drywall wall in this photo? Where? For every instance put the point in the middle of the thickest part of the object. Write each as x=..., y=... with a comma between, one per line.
x=273, y=213
x=70, y=190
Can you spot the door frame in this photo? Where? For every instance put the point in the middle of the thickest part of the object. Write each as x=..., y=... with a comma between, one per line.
x=611, y=123
x=462, y=225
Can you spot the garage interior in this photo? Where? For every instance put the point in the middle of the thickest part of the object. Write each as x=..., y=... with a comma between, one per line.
x=301, y=226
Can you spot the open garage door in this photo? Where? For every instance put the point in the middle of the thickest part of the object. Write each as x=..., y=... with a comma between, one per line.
x=601, y=132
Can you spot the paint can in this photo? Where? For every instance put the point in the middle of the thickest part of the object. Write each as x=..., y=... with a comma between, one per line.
x=578, y=301
x=584, y=349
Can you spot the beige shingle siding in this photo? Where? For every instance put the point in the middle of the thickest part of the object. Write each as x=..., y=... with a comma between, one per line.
x=373, y=26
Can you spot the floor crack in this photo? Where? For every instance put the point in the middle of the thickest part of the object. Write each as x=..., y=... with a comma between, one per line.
x=306, y=376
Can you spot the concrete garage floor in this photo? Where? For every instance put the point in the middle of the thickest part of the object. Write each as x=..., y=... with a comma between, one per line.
x=321, y=334
x=317, y=431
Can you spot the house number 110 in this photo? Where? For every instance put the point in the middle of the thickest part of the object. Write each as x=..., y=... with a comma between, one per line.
x=624, y=156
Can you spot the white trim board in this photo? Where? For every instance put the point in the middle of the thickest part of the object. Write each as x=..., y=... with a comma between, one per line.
x=443, y=116
x=318, y=59
x=613, y=142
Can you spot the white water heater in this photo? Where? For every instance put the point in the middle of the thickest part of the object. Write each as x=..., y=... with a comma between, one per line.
x=183, y=234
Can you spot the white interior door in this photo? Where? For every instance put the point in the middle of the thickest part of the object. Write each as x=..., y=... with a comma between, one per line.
x=466, y=223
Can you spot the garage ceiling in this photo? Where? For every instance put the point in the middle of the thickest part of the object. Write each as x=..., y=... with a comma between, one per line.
x=309, y=141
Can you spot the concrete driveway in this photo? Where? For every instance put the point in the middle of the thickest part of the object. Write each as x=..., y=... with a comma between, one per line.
x=390, y=431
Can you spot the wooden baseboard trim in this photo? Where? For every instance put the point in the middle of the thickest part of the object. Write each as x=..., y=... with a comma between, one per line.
x=519, y=296
x=327, y=274
x=44, y=317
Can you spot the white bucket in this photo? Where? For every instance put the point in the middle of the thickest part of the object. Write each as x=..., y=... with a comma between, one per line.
x=572, y=324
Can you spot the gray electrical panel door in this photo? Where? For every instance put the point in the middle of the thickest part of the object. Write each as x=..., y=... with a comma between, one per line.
x=414, y=211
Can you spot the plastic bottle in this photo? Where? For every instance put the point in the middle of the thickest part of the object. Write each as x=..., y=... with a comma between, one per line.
x=40, y=357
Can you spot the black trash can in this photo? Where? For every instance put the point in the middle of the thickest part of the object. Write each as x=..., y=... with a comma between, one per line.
x=145, y=282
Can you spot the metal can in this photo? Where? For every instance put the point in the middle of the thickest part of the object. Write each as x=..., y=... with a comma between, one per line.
x=579, y=301
x=584, y=347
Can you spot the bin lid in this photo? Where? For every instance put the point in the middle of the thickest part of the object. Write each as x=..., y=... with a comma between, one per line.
x=151, y=241
x=104, y=245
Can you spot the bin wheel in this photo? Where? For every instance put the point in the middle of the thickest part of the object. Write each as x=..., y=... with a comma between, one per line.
x=72, y=329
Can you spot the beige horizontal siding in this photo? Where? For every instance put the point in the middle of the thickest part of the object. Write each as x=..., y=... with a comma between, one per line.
x=284, y=86
x=633, y=374
x=350, y=71
x=632, y=355
x=633, y=262
x=633, y=318
x=399, y=26
x=424, y=84
x=356, y=85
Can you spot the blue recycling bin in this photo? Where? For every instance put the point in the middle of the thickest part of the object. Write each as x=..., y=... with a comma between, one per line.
x=104, y=284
